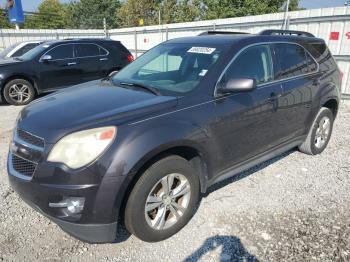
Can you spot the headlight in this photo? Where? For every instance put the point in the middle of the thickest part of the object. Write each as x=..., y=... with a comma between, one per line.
x=81, y=148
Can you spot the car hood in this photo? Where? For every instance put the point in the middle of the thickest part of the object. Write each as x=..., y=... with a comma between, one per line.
x=8, y=61
x=89, y=105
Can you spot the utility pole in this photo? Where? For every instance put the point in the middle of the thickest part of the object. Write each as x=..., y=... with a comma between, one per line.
x=285, y=23
x=105, y=27
x=160, y=21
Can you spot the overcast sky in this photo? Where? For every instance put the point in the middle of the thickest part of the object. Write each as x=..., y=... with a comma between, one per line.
x=31, y=5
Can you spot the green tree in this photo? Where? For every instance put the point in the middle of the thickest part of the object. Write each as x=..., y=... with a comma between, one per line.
x=51, y=15
x=90, y=14
x=132, y=11
x=4, y=22
x=294, y=5
x=233, y=8
x=188, y=11
x=168, y=11
x=172, y=11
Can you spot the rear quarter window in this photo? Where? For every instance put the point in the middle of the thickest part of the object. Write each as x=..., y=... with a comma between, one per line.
x=322, y=55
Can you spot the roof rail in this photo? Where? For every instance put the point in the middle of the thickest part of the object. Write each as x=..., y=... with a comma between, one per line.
x=222, y=33
x=285, y=32
x=87, y=38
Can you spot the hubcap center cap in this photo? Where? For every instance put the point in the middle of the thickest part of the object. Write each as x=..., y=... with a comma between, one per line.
x=167, y=200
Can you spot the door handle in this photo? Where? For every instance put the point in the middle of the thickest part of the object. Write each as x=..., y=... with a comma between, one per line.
x=72, y=63
x=104, y=59
x=274, y=96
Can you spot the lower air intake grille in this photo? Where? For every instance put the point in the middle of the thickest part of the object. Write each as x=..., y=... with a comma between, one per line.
x=22, y=166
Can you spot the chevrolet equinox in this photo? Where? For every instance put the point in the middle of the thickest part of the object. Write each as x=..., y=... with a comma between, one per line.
x=140, y=147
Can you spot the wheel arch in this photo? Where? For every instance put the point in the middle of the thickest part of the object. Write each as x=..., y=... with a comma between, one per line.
x=189, y=152
x=20, y=76
x=332, y=104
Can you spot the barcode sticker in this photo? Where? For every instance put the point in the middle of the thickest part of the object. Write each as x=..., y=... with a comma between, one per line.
x=201, y=50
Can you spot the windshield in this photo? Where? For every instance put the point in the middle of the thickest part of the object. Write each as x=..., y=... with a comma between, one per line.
x=31, y=54
x=174, y=68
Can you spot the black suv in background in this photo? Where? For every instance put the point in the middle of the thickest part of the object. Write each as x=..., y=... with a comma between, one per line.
x=59, y=64
x=185, y=115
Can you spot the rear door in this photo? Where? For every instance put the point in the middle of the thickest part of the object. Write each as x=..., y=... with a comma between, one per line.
x=61, y=70
x=93, y=61
x=246, y=123
x=297, y=71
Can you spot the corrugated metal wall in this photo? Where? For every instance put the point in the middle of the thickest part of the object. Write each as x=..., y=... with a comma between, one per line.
x=320, y=22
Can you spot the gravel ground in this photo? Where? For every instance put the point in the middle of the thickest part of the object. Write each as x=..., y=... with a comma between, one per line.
x=294, y=207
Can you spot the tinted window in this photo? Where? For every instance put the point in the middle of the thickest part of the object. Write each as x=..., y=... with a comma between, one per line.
x=86, y=50
x=291, y=60
x=255, y=62
x=61, y=52
x=24, y=49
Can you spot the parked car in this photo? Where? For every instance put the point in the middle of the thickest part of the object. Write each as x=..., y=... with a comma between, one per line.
x=18, y=49
x=185, y=115
x=58, y=64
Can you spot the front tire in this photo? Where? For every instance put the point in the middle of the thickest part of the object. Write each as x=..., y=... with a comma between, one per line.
x=19, y=92
x=163, y=200
x=319, y=134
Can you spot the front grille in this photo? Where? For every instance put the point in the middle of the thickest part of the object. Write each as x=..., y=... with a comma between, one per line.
x=31, y=139
x=22, y=166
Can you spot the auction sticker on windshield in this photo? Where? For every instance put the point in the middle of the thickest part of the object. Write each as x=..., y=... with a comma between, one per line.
x=201, y=50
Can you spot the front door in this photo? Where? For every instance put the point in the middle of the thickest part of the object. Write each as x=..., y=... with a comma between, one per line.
x=61, y=70
x=246, y=121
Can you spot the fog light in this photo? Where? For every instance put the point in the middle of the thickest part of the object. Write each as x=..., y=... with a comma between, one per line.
x=74, y=205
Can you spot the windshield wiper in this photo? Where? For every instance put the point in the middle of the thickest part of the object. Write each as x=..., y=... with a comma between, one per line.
x=18, y=59
x=148, y=88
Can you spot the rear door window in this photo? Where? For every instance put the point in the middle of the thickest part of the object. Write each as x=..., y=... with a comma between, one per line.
x=61, y=52
x=255, y=62
x=292, y=60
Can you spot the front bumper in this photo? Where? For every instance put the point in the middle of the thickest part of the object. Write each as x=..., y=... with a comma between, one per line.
x=53, y=189
x=38, y=196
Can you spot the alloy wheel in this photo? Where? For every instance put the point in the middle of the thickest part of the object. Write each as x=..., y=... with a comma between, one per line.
x=167, y=201
x=19, y=93
x=322, y=132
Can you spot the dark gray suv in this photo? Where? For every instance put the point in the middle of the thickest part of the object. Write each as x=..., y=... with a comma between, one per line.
x=141, y=147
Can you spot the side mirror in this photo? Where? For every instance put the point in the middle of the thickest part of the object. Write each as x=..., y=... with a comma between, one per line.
x=238, y=85
x=46, y=58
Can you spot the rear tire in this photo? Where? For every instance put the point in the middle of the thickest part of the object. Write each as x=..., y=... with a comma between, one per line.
x=19, y=92
x=163, y=200
x=319, y=134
